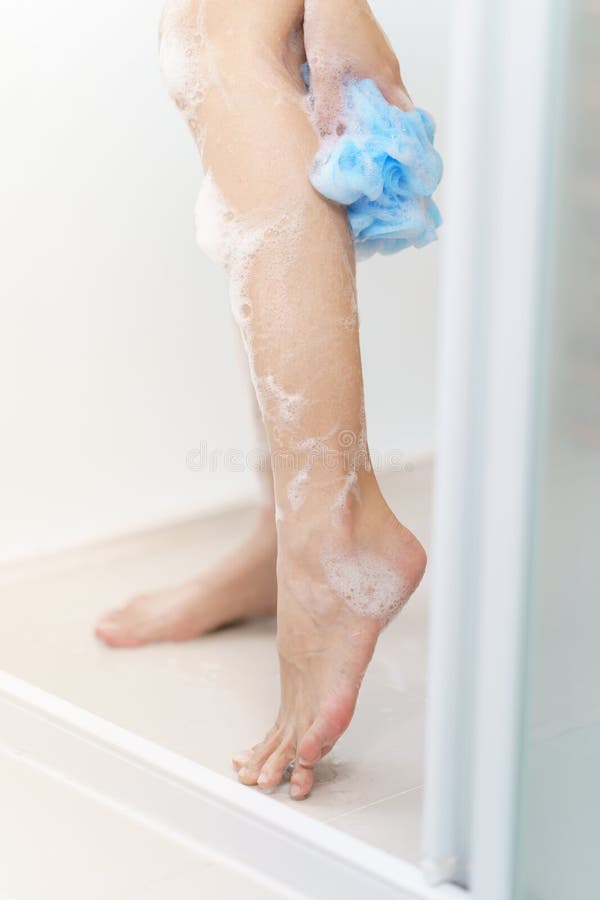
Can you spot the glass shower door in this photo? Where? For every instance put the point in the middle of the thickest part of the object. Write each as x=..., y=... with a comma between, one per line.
x=513, y=771
x=558, y=812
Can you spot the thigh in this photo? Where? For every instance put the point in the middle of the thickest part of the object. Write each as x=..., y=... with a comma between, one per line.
x=288, y=250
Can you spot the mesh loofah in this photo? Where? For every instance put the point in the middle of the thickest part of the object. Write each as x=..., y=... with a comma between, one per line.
x=384, y=168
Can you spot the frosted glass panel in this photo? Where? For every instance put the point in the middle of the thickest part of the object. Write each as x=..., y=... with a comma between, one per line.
x=559, y=821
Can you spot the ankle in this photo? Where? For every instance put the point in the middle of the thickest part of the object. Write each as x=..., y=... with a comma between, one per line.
x=364, y=557
x=350, y=520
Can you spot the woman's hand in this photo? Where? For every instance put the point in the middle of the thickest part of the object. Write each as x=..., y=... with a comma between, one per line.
x=343, y=37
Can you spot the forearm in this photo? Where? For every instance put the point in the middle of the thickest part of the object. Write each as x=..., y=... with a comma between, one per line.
x=343, y=37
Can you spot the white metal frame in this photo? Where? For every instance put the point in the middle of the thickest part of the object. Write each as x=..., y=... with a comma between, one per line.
x=490, y=309
x=457, y=512
x=521, y=44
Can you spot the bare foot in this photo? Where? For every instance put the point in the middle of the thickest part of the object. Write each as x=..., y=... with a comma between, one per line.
x=243, y=586
x=334, y=600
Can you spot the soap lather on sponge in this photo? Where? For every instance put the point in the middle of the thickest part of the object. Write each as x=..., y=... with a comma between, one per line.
x=383, y=168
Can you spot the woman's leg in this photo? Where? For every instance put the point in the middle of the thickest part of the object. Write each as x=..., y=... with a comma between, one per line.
x=241, y=586
x=345, y=565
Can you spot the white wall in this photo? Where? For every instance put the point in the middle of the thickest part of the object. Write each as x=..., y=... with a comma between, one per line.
x=116, y=352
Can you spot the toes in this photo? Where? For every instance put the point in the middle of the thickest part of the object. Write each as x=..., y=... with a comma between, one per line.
x=251, y=768
x=310, y=748
x=111, y=630
x=273, y=769
x=301, y=781
x=318, y=740
x=240, y=759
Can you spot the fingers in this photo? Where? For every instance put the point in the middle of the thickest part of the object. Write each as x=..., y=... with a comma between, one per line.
x=328, y=103
x=396, y=94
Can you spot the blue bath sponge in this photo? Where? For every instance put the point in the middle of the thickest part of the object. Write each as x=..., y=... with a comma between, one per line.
x=384, y=168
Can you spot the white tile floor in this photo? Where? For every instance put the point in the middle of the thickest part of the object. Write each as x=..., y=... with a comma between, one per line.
x=209, y=697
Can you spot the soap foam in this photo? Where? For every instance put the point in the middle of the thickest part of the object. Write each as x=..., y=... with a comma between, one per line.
x=288, y=405
x=230, y=240
x=297, y=488
x=350, y=488
x=185, y=55
x=369, y=584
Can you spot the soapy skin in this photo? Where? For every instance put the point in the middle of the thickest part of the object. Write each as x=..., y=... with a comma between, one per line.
x=342, y=564
x=343, y=38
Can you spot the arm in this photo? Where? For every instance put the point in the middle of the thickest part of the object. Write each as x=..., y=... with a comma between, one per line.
x=343, y=37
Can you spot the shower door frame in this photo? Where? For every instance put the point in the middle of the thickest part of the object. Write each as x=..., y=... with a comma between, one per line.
x=490, y=350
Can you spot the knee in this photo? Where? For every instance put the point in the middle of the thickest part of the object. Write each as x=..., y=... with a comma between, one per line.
x=182, y=50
